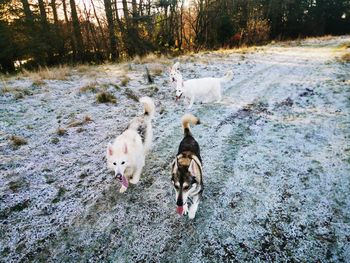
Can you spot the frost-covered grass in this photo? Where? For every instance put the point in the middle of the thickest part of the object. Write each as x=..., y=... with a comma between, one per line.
x=275, y=155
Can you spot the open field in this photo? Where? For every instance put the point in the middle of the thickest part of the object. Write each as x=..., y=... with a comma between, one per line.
x=276, y=156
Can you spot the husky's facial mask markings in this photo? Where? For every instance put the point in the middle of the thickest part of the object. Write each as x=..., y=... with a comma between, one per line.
x=187, y=171
x=126, y=156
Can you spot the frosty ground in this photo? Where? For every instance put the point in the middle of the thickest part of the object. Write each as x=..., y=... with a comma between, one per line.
x=275, y=155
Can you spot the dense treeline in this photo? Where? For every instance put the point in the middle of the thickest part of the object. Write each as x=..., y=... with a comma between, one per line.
x=50, y=32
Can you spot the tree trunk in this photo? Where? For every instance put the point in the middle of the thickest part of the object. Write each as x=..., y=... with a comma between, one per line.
x=134, y=11
x=77, y=32
x=104, y=45
x=126, y=11
x=27, y=12
x=73, y=44
x=60, y=44
x=45, y=35
x=43, y=17
x=111, y=30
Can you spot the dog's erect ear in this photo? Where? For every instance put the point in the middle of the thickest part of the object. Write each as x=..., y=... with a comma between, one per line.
x=176, y=66
x=109, y=149
x=193, y=169
x=125, y=148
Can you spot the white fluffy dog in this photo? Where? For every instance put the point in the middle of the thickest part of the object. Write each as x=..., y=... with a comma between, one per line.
x=126, y=156
x=203, y=89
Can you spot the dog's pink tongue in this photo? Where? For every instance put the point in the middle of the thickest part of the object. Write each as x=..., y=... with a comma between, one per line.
x=125, y=182
x=180, y=210
x=177, y=99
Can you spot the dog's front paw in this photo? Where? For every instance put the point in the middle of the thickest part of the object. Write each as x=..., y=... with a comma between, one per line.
x=122, y=189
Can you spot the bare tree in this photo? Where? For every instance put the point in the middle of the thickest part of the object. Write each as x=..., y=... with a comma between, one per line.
x=78, y=38
x=111, y=31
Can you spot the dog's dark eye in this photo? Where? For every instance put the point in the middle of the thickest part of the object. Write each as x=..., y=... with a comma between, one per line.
x=176, y=186
x=123, y=162
x=115, y=163
x=186, y=187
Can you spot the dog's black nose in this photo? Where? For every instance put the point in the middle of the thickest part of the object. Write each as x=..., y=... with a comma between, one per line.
x=119, y=176
x=179, y=202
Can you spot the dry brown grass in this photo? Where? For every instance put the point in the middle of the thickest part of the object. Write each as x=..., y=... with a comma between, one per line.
x=125, y=80
x=131, y=95
x=152, y=58
x=76, y=123
x=105, y=97
x=45, y=73
x=345, y=58
x=38, y=82
x=7, y=89
x=137, y=60
x=61, y=131
x=19, y=93
x=157, y=71
x=17, y=140
x=87, y=118
x=90, y=87
x=150, y=90
x=83, y=68
x=344, y=45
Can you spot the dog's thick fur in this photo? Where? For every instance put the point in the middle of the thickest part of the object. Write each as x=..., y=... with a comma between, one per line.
x=187, y=174
x=202, y=89
x=126, y=156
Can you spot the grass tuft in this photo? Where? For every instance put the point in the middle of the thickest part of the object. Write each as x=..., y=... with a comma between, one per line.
x=150, y=90
x=157, y=71
x=38, y=82
x=54, y=73
x=76, y=123
x=55, y=140
x=125, y=80
x=344, y=45
x=19, y=93
x=345, y=58
x=87, y=118
x=18, y=141
x=18, y=184
x=60, y=194
x=90, y=87
x=105, y=97
x=131, y=95
x=20, y=206
x=117, y=88
x=61, y=131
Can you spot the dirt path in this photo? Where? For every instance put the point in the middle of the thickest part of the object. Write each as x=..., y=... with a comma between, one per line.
x=276, y=162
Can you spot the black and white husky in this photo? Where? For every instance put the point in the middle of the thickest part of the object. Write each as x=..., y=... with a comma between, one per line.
x=187, y=174
x=126, y=156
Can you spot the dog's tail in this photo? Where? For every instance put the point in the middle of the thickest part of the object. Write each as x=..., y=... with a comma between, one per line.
x=148, y=105
x=186, y=120
x=228, y=76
